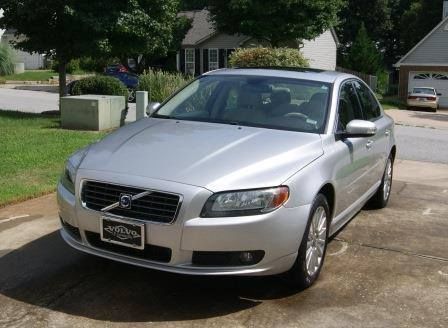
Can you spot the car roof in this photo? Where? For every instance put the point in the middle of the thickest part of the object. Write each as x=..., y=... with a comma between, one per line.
x=295, y=73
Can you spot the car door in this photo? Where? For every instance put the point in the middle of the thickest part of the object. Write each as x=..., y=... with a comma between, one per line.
x=352, y=163
x=377, y=152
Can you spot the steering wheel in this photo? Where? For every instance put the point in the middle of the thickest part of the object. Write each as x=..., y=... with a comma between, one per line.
x=296, y=115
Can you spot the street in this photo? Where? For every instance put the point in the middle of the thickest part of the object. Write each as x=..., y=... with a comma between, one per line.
x=422, y=144
x=37, y=102
x=386, y=268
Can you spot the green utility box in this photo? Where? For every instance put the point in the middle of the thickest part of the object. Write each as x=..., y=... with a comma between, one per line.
x=92, y=112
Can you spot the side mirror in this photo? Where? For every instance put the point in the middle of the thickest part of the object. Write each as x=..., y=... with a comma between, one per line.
x=152, y=107
x=360, y=129
x=439, y=94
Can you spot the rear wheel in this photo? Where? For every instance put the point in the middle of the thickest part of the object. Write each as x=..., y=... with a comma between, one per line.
x=312, y=250
x=381, y=197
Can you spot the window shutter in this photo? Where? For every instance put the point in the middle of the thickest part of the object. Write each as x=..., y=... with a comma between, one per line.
x=205, y=56
x=182, y=60
x=222, y=53
x=197, y=62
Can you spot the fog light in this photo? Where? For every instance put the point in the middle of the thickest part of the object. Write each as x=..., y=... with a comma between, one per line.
x=246, y=257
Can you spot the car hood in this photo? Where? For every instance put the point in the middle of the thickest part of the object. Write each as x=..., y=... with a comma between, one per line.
x=214, y=156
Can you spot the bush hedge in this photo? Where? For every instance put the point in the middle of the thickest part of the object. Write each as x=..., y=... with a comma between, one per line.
x=267, y=57
x=7, y=59
x=100, y=85
x=160, y=85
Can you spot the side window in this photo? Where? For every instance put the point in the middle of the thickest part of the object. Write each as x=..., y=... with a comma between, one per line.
x=370, y=106
x=348, y=109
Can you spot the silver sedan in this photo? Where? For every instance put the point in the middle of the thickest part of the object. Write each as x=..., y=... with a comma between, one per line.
x=242, y=172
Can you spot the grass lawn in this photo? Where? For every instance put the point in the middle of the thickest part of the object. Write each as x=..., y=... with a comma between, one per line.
x=33, y=152
x=38, y=75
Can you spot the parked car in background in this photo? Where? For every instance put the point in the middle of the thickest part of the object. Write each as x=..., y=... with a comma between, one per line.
x=424, y=97
x=120, y=72
x=129, y=79
x=242, y=172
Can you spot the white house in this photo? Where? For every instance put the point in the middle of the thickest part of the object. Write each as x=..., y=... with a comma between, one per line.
x=204, y=49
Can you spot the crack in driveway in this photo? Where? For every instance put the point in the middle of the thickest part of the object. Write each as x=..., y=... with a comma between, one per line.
x=409, y=253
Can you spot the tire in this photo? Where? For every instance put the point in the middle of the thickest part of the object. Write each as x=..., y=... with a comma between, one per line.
x=382, y=195
x=302, y=275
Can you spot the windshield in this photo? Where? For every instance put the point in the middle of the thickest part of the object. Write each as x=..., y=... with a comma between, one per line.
x=426, y=91
x=269, y=102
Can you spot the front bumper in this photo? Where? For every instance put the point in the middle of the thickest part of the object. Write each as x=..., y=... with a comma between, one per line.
x=278, y=233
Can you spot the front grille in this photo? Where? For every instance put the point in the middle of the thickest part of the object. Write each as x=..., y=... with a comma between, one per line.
x=151, y=252
x=156, y=207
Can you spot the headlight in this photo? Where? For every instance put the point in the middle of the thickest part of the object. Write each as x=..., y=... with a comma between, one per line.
x=68, y=176
x=245, y=202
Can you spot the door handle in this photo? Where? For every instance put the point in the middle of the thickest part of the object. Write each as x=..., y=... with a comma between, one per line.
x=369, y=144
x=387, y=133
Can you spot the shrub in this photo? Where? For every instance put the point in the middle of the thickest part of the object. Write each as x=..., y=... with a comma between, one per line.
x=7, y=59
x=100, y=85
x=267, y=57
x=160, y=85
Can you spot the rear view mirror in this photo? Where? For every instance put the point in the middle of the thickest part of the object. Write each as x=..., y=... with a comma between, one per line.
x=360, y=129
x=152, y=107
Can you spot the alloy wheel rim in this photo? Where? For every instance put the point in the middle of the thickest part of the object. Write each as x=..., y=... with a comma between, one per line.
x=317, y=239
x=387, y=180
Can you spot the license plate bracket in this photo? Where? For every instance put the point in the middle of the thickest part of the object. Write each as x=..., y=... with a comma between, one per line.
x=122, y=232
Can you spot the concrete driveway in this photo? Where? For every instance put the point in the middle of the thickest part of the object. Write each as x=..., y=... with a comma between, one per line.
x=387, y=268
x=420, y=118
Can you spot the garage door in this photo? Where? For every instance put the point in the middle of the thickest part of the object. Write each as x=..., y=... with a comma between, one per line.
x=437, y=80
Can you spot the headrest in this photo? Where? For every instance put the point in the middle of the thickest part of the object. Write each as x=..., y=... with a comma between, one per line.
x=281, y=97
x=319, y=98
x=249, y=98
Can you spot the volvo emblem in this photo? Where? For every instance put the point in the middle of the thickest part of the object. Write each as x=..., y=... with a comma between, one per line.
x=125, y=201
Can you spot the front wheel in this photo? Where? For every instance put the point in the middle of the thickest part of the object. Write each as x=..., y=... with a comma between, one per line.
x=312, y=250
x=381, y=197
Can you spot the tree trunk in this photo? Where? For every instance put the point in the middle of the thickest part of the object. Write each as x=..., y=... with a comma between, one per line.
x=62, y=77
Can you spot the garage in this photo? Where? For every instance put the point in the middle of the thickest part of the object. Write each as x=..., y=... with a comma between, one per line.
x=437, y=80
x=426, y=65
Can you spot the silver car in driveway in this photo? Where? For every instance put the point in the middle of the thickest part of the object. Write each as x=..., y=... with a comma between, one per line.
x=242, y=172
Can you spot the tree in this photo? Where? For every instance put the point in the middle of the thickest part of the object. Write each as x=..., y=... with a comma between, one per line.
x=363, y=55
x=417, y=21
x=70, y=29
x=275, y=21
x=374, y=14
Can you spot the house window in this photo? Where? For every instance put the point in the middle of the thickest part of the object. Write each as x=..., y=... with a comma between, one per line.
x=189, y=61
x=213, y=59
x=423, y=76
x=440, y=76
